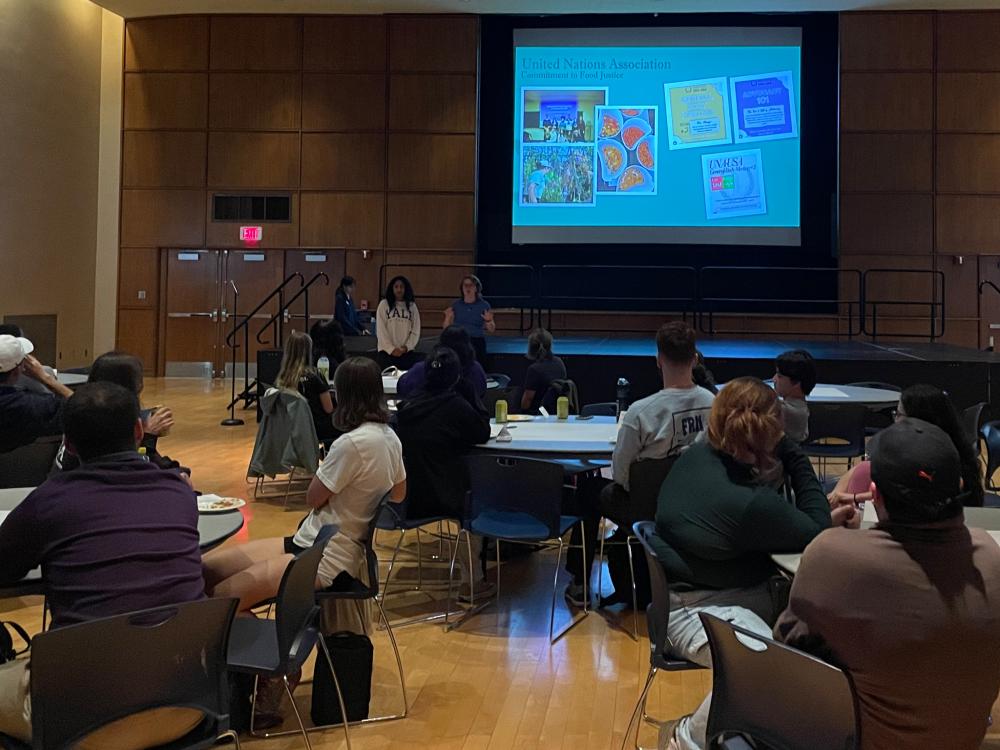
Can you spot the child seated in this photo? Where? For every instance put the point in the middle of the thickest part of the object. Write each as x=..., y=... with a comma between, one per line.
x=794, y=379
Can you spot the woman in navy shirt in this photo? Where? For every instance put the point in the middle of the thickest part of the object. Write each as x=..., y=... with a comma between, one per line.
x=472, y=313
x=344, y=311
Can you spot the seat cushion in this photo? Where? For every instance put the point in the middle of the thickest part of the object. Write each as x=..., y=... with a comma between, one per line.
x=520, y=526
x=253, y=645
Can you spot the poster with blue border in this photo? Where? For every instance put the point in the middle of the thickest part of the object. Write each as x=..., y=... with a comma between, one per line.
x=763, y=107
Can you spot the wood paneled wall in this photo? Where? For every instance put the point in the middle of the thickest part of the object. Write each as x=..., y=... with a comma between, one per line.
x=368, y=121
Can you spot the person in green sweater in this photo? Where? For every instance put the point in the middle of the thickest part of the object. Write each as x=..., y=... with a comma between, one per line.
x=720, y=516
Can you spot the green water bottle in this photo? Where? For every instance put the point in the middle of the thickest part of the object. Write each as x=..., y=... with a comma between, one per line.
x=501, y=413
x=562, y=408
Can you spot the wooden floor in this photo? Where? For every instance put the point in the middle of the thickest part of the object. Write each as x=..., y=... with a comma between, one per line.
x=494, y=684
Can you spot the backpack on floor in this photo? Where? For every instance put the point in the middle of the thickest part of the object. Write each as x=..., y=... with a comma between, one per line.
x=353, y=657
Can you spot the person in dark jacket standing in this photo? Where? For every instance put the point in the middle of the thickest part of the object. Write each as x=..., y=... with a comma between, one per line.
x=344, y=311
x=439, y=423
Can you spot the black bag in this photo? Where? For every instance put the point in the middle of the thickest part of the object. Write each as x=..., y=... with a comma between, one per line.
x=353, y=657
x=618, y=569
x=7, y=650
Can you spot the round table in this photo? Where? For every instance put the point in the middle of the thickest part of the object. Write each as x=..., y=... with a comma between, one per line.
x=558, y=438
x=832, y=393
x=213, y=530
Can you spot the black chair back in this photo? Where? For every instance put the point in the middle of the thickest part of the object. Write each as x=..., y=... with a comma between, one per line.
x=991, y=433
x=515, y=485
x=645, y=479
x=88, y=675
x=807, y=704
x=562, y=387
x=839, y=422
x=295, y=605
x=879, y=419
x=29, y=465
x=601, y=409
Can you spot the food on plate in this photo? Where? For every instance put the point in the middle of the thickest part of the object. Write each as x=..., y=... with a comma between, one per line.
x=610, y=125
x=631, y=178
x=645, y=154
x=612, y=158
x=212, y=502
x=631, y=135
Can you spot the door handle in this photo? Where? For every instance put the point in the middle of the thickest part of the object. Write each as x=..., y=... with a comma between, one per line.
x=284, y=315
x=225, y=315
x=191, y=315
x=214, y=315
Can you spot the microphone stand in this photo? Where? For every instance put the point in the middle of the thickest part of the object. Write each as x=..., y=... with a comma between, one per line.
x=232, y=420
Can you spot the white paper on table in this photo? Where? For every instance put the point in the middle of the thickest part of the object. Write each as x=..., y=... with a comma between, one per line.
x=827, y=391
x=995, y=535
x=869, y=515
x=3, y=515
x=495, y=430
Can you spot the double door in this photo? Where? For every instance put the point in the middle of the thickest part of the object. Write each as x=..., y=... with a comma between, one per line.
x=200, y=309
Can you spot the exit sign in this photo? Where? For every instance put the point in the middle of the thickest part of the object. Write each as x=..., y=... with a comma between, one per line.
x=251, y=235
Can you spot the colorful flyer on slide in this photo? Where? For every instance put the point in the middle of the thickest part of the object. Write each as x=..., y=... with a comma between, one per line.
x=733, y=184
x=764, y=106
x=697, y=113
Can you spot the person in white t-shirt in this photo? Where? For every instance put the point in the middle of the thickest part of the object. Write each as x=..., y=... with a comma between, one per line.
x=362, y=466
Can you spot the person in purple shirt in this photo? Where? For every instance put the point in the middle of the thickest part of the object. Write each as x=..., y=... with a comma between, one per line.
x=115, y=535
x=457, y=339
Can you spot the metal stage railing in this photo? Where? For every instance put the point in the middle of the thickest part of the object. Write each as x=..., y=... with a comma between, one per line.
x=283, y=311
x=935, y=305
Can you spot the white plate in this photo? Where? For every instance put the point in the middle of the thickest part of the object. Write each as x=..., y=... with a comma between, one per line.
x=217, y=504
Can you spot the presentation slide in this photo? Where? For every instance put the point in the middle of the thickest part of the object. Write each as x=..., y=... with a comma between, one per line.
x=672, y=135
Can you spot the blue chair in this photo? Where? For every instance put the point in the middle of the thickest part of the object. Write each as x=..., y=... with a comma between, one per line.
x=85, y=676
x=844, y=423
x=279, y=647
x=657, y=619
x=807, y=703
x=517, y=500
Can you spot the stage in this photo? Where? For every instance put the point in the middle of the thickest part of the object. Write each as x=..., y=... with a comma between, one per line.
x=596, y=363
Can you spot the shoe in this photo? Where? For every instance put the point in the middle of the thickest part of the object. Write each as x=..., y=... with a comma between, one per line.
x=574, y=594
x=484, y=590
x=612, y=599
x=270, y=694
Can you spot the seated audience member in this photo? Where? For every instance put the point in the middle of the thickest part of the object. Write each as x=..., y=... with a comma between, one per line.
x=327, y=341
x=24, y=414
x=473, y=314
x=794, y=379
x=397, y=326
x=654, y=427
x=344, y=311
x=457, y=340
x=296, y=374
x=720, y=519
x=911, y=607
x=545, y=367
x=81, y=527
x=361, y=466
x=931, y=404
x=436, y=425
x=28, y=384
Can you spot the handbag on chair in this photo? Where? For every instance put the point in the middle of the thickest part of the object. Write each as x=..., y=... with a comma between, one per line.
x=353, y=657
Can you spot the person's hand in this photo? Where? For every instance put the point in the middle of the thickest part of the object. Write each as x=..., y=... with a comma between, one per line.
x=839, y=498
x=488, y=323
x=159, y=422
x=847, y=515
x=397, y=352
x=403, y=350
x=34, y=369
x=187, y=479
x=449, y=317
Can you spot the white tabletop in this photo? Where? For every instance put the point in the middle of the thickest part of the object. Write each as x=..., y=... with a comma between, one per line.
x=833, y=393
x=71, y=378
x=987, y=519
x=389, y=383
x=574, y=437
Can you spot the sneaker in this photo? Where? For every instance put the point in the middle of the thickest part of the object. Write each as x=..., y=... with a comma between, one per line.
x=484, y=590
x=574, y=594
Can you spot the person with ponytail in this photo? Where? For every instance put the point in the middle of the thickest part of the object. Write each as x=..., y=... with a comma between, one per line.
x=719, y=519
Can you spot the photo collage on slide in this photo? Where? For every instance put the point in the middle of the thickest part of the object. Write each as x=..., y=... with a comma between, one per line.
x=713, y=112
x=578, y=146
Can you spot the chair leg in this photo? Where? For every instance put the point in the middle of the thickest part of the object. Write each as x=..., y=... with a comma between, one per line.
x=635, y=596
x=451, y=579
x=420, y=563
x=639, y=706
x=340, y=697
x=555, y=585
x=288, y=486
x=392, y=563
x=600, y=564
x=399, y=661
x=231, y=735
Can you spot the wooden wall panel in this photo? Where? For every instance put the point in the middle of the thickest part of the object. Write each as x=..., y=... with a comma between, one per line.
x=885, y=162
x=968, y=41
x=438, y=283
x=163, y=159
x=896, y=285
x=351, y=220
x=343, y=101
x=430, y=221
x=959, y=332
x=886, y=101
x=365, y=271
x=968, y=102
x=968, y=224
x=344, y=43
x=962, y=279
x=343, y=161
x=889, y=223
x=166, y=100
x=886, y=41
x=138, y=277
x=277, y=234
x=254, y=101
x=157, y=218
x=256, y=43
x=171, y=43
x=968, y=163
x=253, y=160
x=435, y=104
x=436, y=163
x=428, y=43
x=137, y=335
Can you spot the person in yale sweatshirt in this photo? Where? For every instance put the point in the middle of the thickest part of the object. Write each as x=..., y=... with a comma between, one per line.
x=398, y=326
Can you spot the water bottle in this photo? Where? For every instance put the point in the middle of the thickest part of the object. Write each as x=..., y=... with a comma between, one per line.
x=621, y=396
x=142, y=453
x=501, y=412
x=323, y=365
x=562, y=408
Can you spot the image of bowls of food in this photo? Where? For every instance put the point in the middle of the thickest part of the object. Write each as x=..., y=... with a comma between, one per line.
x=611, y=123
x=613, y=158
x=645, y=151
x=633, y=130
x=635, y=179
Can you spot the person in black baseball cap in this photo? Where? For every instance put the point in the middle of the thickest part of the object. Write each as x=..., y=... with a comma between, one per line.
x=916, y=473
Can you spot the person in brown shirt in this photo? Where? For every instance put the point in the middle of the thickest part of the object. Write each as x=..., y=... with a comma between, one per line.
x=911, y=607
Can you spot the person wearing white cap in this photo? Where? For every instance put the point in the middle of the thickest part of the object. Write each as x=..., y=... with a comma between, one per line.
x=26, y=415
